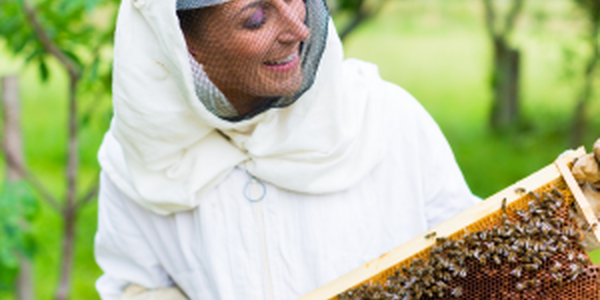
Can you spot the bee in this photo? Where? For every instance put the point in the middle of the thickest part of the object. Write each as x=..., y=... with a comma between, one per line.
x=440, y=293
x=462, y=272
x=575, y=271
x=430, y=235
x=556, y=267
x=520, y=286
x=570, y=232
x=483, y=235
x=497, y=259
x=533, y=282
x=441, y=285
x=429, y=293
x=558, y=278
x=557, y=193
x=531, y=267
x=520, y=191
x=483, y=260
x=503, y=207
x=582, y=258
x=516, y=272
x=457, y=292
x=586, y=227
x=418, y=293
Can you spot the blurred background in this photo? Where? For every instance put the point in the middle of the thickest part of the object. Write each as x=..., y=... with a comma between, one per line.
x=512, y=84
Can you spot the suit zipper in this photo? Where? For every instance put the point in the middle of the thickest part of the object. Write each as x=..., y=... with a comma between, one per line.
x=258, y=191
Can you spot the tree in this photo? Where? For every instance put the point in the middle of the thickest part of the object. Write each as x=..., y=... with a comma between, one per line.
x=591, y=10
x=356, y=11
x=506, y=64
x=63, y=30
x=17, y=208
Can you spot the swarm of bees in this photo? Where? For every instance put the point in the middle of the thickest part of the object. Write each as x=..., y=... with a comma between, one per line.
x=534, y=251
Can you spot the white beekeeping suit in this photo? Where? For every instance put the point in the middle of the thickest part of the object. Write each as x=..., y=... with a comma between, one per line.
x=268, y=204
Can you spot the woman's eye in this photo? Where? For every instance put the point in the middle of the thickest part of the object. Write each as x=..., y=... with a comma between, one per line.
x=256, y=20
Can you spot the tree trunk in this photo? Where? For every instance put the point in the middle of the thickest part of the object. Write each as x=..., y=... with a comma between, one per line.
x=68, y=245
x=14, y=148
x=579, y=119
x=505, y=107
x=69, y=212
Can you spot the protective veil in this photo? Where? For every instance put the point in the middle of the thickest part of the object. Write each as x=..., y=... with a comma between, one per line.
x=174, y=136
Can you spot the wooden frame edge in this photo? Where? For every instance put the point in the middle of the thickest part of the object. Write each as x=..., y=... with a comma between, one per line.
x=584, y=205
x=454, y=225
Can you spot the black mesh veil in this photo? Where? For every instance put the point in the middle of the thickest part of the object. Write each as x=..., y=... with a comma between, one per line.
x=248, y=56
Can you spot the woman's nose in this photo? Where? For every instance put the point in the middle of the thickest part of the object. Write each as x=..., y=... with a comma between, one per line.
x=293, y=28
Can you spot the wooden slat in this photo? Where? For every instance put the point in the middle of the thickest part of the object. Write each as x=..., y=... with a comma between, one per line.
x=584, y=205
x=482, y=210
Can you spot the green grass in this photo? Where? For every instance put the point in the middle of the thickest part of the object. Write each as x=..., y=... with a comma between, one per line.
x=437, y=50
x=441, y=56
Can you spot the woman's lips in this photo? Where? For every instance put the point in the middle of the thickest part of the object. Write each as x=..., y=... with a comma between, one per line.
x=285, y=65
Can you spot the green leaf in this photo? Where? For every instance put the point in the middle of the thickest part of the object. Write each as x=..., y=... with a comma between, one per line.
x=94, y=68
x=34, y=55
x=17, y=206
x=73, y=57
x=9, y=25
x=44, y=72
x=27, y=40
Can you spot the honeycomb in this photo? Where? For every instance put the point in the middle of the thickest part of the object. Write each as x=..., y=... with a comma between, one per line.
x=531, y=248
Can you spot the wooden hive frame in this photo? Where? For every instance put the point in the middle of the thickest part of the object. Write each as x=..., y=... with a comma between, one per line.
x=382, y=265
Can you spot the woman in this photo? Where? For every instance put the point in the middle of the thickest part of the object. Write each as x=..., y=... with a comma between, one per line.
x=248, y=160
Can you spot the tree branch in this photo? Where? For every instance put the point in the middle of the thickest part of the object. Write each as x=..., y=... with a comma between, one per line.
x=490, y=19
x=512, y=16
x=47, y=42
x=360, y=16
x=31, y=179
x=89, y=196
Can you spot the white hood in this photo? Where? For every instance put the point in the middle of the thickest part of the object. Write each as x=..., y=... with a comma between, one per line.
x=165, y=150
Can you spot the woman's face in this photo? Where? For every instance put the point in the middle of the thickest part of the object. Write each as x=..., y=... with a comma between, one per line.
x=250, y=48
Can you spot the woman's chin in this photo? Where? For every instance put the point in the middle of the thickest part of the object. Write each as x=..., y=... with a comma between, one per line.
x=279, y=87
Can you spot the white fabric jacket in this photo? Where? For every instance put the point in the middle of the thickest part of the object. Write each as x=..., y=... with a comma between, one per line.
x=289, y=243
x=351, y=170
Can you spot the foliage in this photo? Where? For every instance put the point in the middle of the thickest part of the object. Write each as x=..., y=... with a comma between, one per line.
x=18, y=207
x=591, y=10
x=355, y=11
x=81, y=29
x=506, y=62
x=74, y=33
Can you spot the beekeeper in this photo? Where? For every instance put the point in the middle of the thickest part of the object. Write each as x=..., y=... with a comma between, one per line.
x=248, y=160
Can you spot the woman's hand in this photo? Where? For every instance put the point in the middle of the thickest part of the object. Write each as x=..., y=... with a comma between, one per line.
x=587, y=171
x=587, y=168
x=137, y=292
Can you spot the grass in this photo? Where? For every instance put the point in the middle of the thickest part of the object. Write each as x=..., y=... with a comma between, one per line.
x=443, y=60
x=437, y=50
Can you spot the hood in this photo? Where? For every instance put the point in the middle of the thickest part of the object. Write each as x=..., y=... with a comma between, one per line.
x=165, y=149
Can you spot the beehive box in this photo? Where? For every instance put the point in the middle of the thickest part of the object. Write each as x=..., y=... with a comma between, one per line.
x=522, y=243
